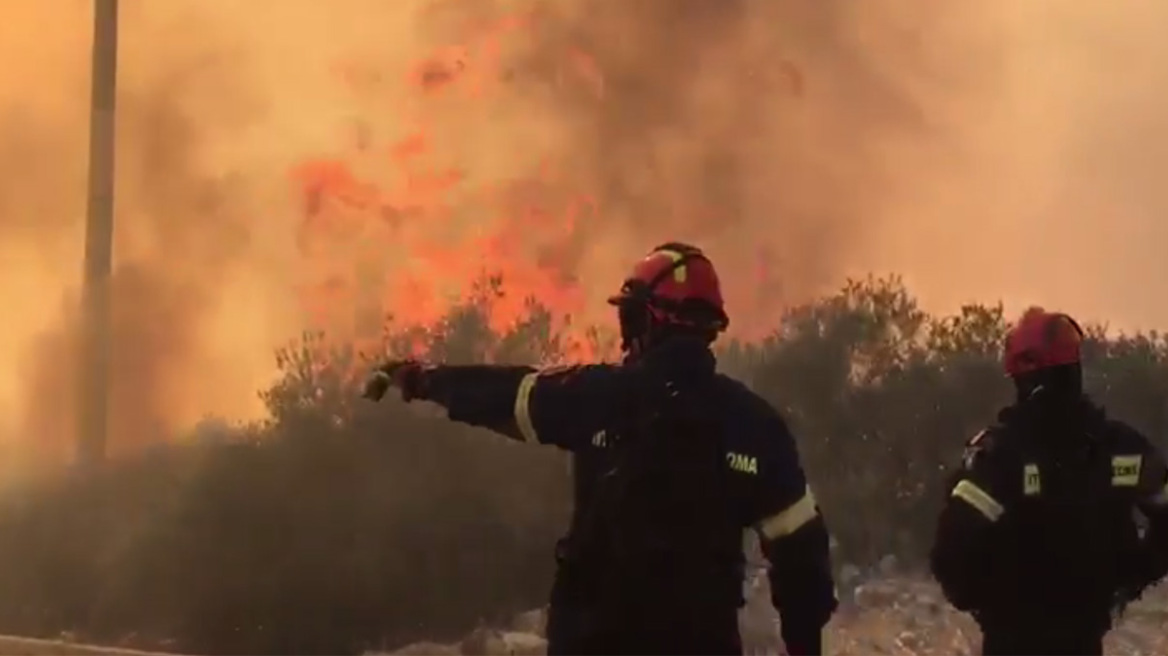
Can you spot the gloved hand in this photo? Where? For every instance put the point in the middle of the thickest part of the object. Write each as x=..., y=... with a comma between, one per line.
x=406, y=375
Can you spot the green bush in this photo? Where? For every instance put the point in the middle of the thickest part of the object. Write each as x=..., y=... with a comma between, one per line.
x=341, y=525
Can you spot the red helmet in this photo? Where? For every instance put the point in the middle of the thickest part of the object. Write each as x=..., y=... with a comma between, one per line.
x=674, y=284
x=1040, y=340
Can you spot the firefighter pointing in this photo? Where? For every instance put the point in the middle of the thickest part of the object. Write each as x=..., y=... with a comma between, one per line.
x=1038, y=538
x=671, y=462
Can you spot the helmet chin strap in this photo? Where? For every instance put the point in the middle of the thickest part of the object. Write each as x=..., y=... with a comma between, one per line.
x=650, y=335
x=1056, y=384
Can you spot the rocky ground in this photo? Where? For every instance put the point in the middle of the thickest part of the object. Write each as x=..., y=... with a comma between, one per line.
x=884, y=611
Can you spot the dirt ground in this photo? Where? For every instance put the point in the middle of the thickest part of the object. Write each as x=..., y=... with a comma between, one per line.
x=896, y=615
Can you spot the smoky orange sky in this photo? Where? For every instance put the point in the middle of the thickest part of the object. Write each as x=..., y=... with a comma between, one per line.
x=281, y=162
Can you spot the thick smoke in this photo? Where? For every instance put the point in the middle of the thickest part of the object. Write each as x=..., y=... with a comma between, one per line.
x=754, y=128
x=985, y=150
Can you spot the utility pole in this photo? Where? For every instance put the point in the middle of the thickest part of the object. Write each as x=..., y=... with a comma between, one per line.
x=93, y=399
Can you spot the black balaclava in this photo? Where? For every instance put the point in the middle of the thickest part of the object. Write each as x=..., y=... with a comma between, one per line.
x=1058, y=383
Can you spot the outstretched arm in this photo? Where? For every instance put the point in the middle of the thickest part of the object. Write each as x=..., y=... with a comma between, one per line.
x=561, y=406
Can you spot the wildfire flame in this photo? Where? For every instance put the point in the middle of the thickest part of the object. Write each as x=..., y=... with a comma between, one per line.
x=453, y=233
x=448, y=234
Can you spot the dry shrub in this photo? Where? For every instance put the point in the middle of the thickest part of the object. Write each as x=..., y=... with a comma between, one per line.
x=341, y=525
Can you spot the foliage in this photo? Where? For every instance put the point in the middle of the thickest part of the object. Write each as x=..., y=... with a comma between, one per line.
x=341, y=525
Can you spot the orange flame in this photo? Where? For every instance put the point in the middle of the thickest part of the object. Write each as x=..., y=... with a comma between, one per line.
x=520, y=237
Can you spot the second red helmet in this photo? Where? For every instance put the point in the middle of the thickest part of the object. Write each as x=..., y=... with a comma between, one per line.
x=1041, y=340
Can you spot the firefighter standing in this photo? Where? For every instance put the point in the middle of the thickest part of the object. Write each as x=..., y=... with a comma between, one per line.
x=671, y=462
x=1039, y=537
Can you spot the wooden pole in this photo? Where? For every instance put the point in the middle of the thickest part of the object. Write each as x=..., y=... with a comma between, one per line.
x=93, y=415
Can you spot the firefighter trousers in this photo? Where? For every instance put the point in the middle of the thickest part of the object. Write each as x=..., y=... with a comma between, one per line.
x=574, y=631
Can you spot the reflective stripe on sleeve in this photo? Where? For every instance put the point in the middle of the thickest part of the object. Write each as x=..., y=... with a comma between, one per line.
x=791, y=519
x=981, y=500
x=523, y=409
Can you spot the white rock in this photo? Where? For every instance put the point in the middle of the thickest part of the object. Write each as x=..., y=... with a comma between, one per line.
x=478, y=642
x=908, y=640
x=532, y=621
x=888, y=565
x=505, y=643
x=848, y=574
x=428, y=649
x=878, y=594
x=524, y=644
